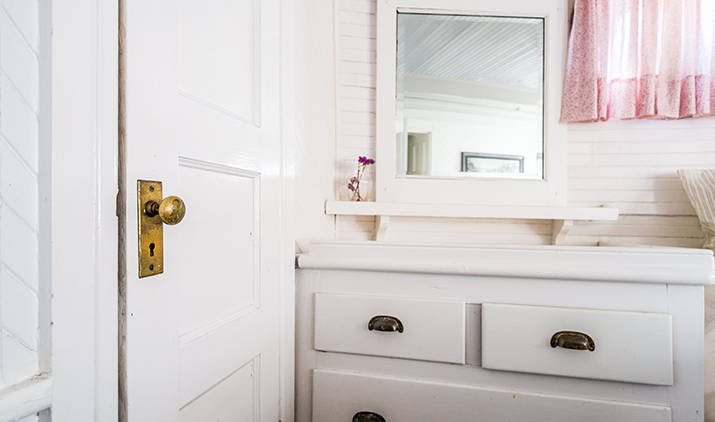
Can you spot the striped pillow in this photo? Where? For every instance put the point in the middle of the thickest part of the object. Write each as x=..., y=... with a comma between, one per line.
x=700, y=187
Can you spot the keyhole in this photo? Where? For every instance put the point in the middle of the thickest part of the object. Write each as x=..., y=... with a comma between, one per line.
x=151, y=249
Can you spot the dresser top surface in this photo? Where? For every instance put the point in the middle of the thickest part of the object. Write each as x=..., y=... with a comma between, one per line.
x=623, y=264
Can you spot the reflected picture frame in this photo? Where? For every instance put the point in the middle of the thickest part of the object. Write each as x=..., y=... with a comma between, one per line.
x=470, y=160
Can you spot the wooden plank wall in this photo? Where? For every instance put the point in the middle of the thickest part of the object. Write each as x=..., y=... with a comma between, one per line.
x=19, y=197
x=630, y=165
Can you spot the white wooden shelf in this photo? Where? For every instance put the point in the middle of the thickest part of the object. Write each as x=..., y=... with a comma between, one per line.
x=563, y=217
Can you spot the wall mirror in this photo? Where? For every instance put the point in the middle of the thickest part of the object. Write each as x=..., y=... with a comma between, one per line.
x=468, y=102
x=469, y=97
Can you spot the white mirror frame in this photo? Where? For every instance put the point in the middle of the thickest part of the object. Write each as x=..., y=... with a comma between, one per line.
x=551, y=190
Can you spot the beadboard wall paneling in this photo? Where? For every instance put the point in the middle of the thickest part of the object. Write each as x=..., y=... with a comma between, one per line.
x=630, y=165
x=19, y=220
x=355, y=54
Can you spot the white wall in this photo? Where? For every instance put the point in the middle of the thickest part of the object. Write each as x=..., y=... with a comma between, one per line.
x=315, y=122
x=20, y=214
x=629, y=165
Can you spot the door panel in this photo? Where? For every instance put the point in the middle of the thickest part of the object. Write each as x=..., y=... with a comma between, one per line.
x=219, y=402
x=203, y=117
x=229, y=52
x=228, y=198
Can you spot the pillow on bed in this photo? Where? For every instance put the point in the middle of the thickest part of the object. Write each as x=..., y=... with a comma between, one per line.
x=700, y=187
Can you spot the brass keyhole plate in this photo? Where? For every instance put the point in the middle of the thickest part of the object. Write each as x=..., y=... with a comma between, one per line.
x=151, y=230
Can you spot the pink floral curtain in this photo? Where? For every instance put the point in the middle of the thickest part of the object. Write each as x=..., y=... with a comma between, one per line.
x=634, y=59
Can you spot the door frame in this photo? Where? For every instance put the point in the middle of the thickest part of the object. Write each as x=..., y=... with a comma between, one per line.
x=290, y=151
x=84, y=115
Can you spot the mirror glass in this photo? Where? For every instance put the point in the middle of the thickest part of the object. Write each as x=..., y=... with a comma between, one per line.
x=469, y=96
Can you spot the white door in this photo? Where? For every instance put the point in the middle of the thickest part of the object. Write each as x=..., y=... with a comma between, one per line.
x=203, y=116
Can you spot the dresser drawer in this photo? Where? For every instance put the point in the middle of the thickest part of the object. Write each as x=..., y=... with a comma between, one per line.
x=620, y=346
x=430, y=330
x=339, y=396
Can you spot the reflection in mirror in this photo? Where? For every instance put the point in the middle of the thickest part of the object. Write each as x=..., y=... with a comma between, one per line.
x=469, y=96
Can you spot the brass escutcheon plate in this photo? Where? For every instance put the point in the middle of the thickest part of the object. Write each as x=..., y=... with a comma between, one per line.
x=151, y=230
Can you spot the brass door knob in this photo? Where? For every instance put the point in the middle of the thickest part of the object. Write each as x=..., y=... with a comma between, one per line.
x=171, y=209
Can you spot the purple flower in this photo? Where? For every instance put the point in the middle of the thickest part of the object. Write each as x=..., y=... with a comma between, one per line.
x=354, y=179
x=350, y=186
x=365, y=161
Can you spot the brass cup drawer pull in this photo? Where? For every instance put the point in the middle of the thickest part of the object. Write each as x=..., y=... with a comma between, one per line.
x=367, y=417
x=573, y=340
x=385, y=323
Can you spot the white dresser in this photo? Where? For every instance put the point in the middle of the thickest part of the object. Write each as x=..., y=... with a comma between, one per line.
x=405, y=333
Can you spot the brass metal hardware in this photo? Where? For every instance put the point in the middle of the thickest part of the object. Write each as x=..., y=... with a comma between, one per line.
x=367, y=417
x=171, y=209
x=385, y=323
x=153, y=211
x=573, y=340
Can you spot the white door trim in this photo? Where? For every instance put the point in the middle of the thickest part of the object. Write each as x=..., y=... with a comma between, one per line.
x=84, y=225
x=289, y=143
x=28, y=398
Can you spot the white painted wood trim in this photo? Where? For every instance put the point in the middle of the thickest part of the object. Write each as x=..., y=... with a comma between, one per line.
x=468, y=211
x=563, y=217
x=289, y=146
x=434, y=329
x=84, y=223
x=338, y=394
x=25, y=399
x=630, y=346
x=382, y=223
x=687, y=305
x=551, y=190
x=584, y=263
x=45, y=185
x=561, y=229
